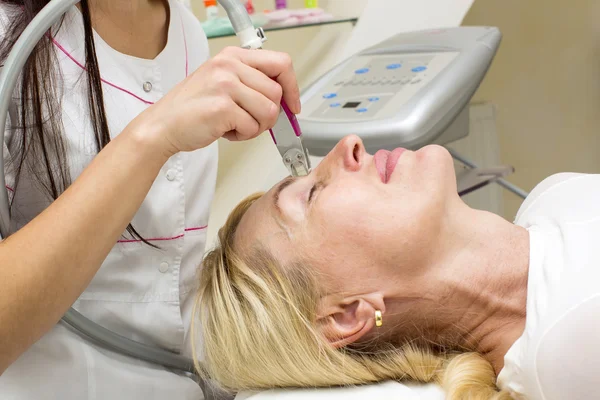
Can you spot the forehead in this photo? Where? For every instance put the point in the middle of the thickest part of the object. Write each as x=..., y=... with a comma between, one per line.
x=260, y=226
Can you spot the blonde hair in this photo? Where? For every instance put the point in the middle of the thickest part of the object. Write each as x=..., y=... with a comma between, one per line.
x=257, y=321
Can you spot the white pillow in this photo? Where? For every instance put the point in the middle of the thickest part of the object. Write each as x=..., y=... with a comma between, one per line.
x=381, y=391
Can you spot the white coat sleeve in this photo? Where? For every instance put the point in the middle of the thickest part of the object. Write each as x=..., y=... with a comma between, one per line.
x=379, y=391
x=568, y=357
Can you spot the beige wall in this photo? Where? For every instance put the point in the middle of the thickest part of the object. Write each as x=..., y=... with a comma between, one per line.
x=545, y=82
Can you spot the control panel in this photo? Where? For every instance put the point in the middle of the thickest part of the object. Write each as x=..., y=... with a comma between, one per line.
x=410, y=90
x=375, y=87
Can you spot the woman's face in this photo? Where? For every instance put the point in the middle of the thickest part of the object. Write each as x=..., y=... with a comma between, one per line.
x=356, y=213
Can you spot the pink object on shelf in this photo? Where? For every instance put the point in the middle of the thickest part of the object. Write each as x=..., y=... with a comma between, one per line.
x=297, y=17
x=305, y=12
x=290, y=22
x=313, y=19
x=279, y=15
x=325, y=17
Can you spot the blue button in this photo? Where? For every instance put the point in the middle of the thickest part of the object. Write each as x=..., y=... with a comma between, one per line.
x=373, y=98
x=329, y=95
x=419, y=69
x=362, y=110
x=394, y=66
x=334, y=105
x=362, y=71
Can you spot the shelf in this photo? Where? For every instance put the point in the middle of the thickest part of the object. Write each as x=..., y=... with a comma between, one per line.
x=274, y=27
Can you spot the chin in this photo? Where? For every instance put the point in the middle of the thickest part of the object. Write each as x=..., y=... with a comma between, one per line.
x=436, y=156
x=434, y=150
x=438, y=163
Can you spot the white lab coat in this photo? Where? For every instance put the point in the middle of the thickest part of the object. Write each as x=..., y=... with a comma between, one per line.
x=557, y=357
x=142, y=293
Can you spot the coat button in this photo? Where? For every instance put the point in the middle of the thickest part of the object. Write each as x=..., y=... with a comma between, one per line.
x=147, y=86
x=171, y=174
x=163, y=267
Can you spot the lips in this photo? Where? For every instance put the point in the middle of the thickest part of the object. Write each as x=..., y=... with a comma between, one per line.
x=386, y=161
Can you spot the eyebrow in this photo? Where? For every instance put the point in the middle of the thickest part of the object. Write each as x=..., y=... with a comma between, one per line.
x=282, y=185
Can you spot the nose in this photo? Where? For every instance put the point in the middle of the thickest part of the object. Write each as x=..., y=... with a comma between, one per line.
x=351, y=151
x=348, y=154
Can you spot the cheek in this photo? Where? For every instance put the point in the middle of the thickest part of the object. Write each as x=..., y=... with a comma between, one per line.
x=355, y=226
x=348, y=228
x=347, y=210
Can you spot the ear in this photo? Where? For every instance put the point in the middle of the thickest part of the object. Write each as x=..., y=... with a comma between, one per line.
x=350, y=319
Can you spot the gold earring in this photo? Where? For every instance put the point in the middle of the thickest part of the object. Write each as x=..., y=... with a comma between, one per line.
x=378, y=318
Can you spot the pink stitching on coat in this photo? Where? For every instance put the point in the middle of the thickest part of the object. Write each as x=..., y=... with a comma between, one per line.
x=196, y=229
x=162, y=239
x=102, y=79
x=10, y=189
x=185, y=46
x=61, y=48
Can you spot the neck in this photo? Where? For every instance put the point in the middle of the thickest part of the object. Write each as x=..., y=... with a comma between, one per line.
x=472, y=293
x=134, y=27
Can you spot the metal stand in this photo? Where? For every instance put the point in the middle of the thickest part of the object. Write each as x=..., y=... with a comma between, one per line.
x=476, y=177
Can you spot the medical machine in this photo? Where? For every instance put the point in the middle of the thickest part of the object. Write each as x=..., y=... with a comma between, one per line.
x=408, y=91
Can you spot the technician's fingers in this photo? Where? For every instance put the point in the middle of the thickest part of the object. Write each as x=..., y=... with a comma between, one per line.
x=242, y=126
x=260, y=82
x=263, y=110
x=233, y=136
x=275, y=65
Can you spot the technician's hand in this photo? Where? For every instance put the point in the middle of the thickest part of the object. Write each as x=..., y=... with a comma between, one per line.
x=236, y=95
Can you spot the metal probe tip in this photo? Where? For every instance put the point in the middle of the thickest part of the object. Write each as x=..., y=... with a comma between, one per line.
x=298, y=169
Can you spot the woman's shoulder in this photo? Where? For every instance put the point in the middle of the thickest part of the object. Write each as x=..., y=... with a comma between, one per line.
x=381, y=390
x=190, y=22
x=566, y=188
x=562, y=278
x=194, y=35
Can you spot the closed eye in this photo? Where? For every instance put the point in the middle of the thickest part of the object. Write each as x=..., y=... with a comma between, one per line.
x=312, y=191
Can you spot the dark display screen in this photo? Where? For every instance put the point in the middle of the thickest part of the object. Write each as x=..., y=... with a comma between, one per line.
x=352, y=104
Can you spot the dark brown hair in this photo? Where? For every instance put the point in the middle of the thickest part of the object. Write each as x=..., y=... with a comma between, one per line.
x=38, y=143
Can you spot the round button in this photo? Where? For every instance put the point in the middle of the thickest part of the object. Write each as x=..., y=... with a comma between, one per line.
x=373, y=99
x=362, y=71
x=163, y=267
x=171, y=174
x=394, y=66
x=362, y=110
x=333, y=105
x=419, y=69
x=147, y=86
x=329, y=95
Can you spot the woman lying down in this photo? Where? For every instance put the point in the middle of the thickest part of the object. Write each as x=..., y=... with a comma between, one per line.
x=373, y=269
